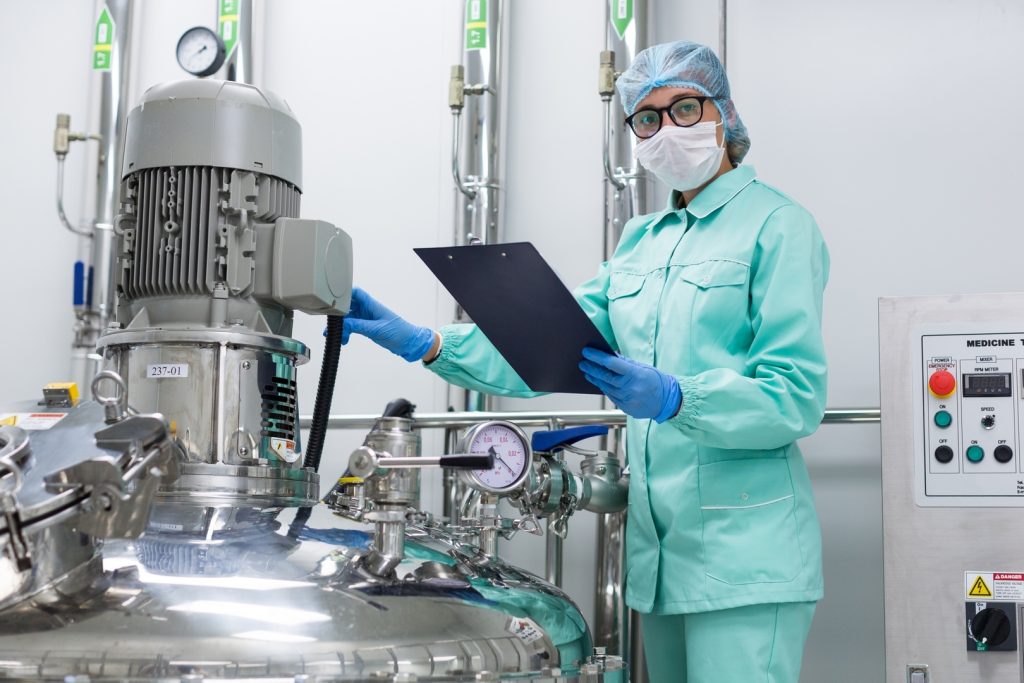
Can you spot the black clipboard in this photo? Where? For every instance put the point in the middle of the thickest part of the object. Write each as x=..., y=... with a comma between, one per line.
x=521, y=306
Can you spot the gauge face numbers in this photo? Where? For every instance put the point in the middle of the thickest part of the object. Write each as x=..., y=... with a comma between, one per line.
x=511, y=456
x=200, y=51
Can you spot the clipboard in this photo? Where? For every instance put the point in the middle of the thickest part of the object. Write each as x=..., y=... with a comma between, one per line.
x=521, y=306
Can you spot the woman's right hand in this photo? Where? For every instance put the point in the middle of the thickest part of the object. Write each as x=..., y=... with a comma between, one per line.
x=377, y=322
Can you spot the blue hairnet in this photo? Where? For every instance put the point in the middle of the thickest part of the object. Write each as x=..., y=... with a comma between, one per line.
x=683, y=64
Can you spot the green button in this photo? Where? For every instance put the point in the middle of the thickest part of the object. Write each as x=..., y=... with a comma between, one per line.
x=975, y=453
x=943, y=419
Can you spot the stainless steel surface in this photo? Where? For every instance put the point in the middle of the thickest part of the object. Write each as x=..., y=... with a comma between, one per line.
x=86, y=481
x=627, y=190
x=479, y=194
x=928, y=549
x=553, y=553
x=247, y=601
x=233, y=409
x=561, y=418
x=113, y=114
x=723, y=32
x=394, y=436
x=240, y=64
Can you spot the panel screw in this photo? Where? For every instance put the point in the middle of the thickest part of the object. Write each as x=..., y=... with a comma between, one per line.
x=246, y=365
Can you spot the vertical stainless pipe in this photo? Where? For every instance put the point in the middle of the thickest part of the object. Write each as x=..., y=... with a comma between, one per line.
x=723, y=32
x=627, y=193
x=111, y=88
x=240, y=65
x=481, y=161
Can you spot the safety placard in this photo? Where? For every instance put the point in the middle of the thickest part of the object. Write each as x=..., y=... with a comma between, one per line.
x=31, y=421
x=1008, y=586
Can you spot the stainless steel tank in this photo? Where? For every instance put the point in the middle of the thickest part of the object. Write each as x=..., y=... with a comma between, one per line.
x=169, y=531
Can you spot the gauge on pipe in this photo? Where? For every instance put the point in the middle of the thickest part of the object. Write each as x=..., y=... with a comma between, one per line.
x=200, y=51
x=512, y=457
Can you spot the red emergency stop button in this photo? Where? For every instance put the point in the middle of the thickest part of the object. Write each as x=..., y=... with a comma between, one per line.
x=942, y=384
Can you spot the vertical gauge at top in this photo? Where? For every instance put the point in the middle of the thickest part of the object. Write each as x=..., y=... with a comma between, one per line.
x=200, y=51
x=512, y=456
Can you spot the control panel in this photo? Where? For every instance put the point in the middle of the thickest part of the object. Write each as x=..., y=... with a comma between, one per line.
x=969, y=435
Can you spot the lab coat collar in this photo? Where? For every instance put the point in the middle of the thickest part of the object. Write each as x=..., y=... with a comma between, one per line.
x=714, y=196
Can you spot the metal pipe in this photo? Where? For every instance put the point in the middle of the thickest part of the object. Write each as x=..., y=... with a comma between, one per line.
x=609, y=174
x=553, y=557
x=561, y=418
x=468, y=192
x=60, y=203
x=240, y=65
x=627, y=191
x=723, y=32
x=111, y=88
x=481, y=141
x=113, y=115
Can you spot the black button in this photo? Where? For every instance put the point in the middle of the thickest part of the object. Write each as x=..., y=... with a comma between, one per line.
x=1003, y=453
x=944, y=454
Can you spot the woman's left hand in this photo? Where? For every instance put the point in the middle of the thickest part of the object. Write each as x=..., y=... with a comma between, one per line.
x=639, y=390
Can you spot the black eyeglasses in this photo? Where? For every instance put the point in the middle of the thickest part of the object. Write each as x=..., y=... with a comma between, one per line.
x=684, y=112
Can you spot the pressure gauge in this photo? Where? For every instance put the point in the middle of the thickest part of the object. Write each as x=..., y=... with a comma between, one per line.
x=512, y=456
x=200, y=51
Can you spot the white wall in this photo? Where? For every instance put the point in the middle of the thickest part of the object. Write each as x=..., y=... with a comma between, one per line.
x=891, y=121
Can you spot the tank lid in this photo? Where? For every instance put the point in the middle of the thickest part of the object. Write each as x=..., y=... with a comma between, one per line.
x=214, y=123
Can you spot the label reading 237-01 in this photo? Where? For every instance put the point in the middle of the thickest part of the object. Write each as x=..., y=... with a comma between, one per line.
x=167, y=370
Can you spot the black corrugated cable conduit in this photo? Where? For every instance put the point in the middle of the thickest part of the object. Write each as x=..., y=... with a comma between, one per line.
x=321, y=409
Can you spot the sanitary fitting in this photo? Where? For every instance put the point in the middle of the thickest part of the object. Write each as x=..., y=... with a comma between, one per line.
x=606, y=75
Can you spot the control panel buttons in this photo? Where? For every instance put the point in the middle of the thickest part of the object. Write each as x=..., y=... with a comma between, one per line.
x=943, y=419
x=1003, y=453
x=944, y=454
x=975, y=453
x=942, y=384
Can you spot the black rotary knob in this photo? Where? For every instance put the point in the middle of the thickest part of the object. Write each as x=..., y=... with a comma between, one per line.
x=1003, y=453
x=944, y=454
x=990, y=627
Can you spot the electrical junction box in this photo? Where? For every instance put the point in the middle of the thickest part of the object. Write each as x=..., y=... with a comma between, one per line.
x=951, y=371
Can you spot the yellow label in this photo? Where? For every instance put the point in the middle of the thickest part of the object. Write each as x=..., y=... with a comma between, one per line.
x=980, y=589
x=9, y=421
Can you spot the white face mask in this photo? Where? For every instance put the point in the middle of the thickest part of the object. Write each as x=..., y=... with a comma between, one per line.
x=682, y=158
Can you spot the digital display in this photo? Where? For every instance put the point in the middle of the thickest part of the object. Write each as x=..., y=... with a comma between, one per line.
x=987, y=384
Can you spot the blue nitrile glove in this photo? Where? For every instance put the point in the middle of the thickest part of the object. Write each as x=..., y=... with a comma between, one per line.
x=376, y=321
x=636, y=389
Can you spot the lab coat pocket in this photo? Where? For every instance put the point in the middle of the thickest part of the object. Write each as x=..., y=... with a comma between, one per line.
x=750, y=531
x=630, y=315
x=715, y=273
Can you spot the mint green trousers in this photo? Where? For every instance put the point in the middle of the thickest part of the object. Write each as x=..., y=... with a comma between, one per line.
x=753, y=644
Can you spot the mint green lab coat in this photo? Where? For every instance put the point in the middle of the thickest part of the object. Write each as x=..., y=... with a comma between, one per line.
x=726, y=295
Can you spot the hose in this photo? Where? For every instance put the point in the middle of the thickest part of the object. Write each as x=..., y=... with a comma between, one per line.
x=321, y=410
x=324, y=392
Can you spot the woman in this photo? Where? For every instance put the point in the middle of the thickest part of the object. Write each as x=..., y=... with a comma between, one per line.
x=714, y=307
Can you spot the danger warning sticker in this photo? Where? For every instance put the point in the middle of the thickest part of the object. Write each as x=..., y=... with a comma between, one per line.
x=33, y=421
x=1007, y=586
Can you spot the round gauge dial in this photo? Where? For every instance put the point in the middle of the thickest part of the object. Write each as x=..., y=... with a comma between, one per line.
x=200, y=51
x=512, y=456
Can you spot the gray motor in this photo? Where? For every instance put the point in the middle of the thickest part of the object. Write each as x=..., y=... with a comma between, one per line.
x=212, y=262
